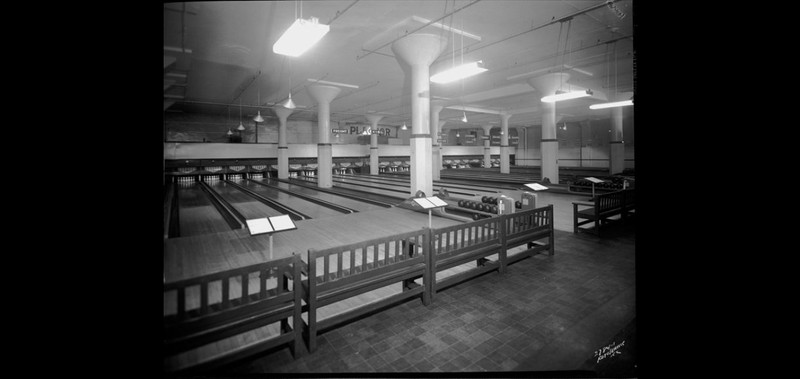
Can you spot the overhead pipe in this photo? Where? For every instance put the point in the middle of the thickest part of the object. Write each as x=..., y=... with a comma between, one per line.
x=551, y=22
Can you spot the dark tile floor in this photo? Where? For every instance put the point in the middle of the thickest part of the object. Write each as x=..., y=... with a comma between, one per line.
x=546, y=313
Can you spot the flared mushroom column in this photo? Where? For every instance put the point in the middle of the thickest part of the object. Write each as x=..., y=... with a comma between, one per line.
x=617, y=143
x=487, y=142
x=419, y=51
x=505, y=166
x=436, y=157
x=323, y=95
x=547, y=85
x=373, y=144
x=283, y=147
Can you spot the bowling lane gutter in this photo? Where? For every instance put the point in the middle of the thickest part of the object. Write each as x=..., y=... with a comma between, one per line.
x=307, y=198
x=234, y=219
x=295, y=215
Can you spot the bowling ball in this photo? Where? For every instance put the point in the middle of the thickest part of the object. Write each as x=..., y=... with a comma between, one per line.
x=471, y=205
x=481, y=207
x=494, y=200
x=518, y=204
x=494, y=209
x=476, y=217
x=461, y=203
x=484, y=199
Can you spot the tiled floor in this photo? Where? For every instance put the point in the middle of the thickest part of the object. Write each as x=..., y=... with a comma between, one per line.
x=546, y=313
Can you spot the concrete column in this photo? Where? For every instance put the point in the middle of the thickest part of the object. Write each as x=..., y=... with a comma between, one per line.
x=546, y=85
x=419, y=51
x=437, y=173
x=617, y=153
x=487, y=150
x=505, y=165
x=436, y=157
x=323, y=95
x=283, y=147
x=373, y=144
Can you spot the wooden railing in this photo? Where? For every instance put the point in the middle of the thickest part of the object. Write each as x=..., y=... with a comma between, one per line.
x=339, y=273
x=602, y=208
x=273, y=295
x=343, y=272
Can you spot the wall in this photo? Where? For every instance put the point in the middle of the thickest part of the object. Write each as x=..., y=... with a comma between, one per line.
x=582, y=144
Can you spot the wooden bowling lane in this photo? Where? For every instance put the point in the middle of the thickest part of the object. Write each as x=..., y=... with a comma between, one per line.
x=454, y=188
x=388, y=194
x=375, y=199
x=309, y=208
x=398, y=183
x=247, y=205
x=341, y=200
x=196, y=213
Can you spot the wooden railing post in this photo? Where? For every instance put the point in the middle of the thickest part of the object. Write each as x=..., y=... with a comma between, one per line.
x=428, y=274
x=297, y=320
x=312, y=299
x=551, y=218
x=503, y=254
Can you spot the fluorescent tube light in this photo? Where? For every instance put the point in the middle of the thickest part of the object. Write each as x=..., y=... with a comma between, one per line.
x=611, y=105
x=300, y=37
x=560, y=96
x=464, y=71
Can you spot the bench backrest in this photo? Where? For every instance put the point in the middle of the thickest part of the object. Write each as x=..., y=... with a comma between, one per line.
x=457, y=239
x=210, y=302
x=521, y=225
x=614, y=200
x=342, y=265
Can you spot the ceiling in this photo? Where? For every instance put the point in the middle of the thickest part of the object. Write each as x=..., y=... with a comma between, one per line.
x=218, y=55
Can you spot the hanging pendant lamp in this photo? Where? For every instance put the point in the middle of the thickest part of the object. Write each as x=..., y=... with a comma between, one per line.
x=258, y=117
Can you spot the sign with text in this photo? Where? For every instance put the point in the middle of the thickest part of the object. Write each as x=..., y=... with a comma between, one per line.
x=360, y=128
x=536, y=186
x=430, y=202
x=270, y=224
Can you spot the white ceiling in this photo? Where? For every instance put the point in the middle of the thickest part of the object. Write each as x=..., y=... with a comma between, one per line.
x=218, y=54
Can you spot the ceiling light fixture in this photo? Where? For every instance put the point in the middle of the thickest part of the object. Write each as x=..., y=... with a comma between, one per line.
x=561, y=96
x=460, y=72
x=464, y=119
x=258, y=117
x=301, y=36
x=613, y=104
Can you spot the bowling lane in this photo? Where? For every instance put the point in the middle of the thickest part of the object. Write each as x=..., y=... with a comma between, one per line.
x=339, y=200
x=460, y=191
x=309, y=208
x=196, y=213
x=386, y=195
x=248, y=206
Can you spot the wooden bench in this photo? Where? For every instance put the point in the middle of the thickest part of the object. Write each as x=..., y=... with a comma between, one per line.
x=601, y=209
x=343, y=272
x=475, y=241
x=216, y=315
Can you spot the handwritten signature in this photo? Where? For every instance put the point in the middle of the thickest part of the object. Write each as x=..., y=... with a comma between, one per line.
x=608, y=351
